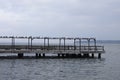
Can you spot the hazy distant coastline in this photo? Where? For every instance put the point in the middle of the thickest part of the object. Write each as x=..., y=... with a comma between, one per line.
x=37, y=43
x=109, y=41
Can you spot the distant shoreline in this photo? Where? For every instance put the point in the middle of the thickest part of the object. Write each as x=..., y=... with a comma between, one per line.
x=108, y=41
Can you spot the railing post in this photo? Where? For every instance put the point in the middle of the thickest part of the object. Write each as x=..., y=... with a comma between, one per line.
x=48, y=44
x=80, y=46
x=99, y=55
x=103, y=48
x=74, y=44
x=31, y=43
x=64, y=44
x=95, y=45
x=59, y=43
x=13, y=43
x=28, y=42
x=88, y=45
x=44, y=43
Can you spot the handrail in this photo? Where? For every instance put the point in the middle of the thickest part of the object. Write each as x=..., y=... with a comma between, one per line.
x=54, y=47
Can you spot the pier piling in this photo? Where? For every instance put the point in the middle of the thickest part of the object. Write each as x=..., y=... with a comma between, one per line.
x=92, y=55
x=63, y=56
x=58, y=55
x=20, y=55
x=43, y=54
x=99, y=55
x=79, y=55
x=39, y=55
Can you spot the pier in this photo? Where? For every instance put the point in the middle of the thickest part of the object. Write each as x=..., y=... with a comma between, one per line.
x=63, y=47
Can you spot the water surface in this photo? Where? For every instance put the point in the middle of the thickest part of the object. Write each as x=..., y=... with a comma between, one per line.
x=106, y=68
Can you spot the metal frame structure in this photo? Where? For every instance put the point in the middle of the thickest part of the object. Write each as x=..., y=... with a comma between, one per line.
x=59, y=48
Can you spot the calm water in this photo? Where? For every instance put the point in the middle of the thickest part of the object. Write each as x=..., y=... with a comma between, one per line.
x=106, y=68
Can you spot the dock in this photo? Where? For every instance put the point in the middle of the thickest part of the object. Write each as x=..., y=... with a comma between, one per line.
x=63, y=47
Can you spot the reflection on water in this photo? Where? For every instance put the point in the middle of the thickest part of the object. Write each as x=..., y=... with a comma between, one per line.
x=51, y=69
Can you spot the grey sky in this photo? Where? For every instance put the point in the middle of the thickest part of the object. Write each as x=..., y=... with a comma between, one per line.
x=70, y=18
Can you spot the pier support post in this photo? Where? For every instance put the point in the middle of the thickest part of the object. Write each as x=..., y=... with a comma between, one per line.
x=62, y=55
x=43, y=54
x=20, y=55
x=79, y=55
x=74, y=55
x=36, y=55
x=58, y=55
x=86, y=55
x=92, y=55
x=99, y=55
x=67, y=55
x=39, y=55
x=70, y=55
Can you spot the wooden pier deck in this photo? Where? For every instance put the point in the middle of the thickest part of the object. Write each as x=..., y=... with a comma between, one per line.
x=62, y=46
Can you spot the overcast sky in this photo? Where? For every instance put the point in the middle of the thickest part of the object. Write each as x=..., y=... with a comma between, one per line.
x=70, y=18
